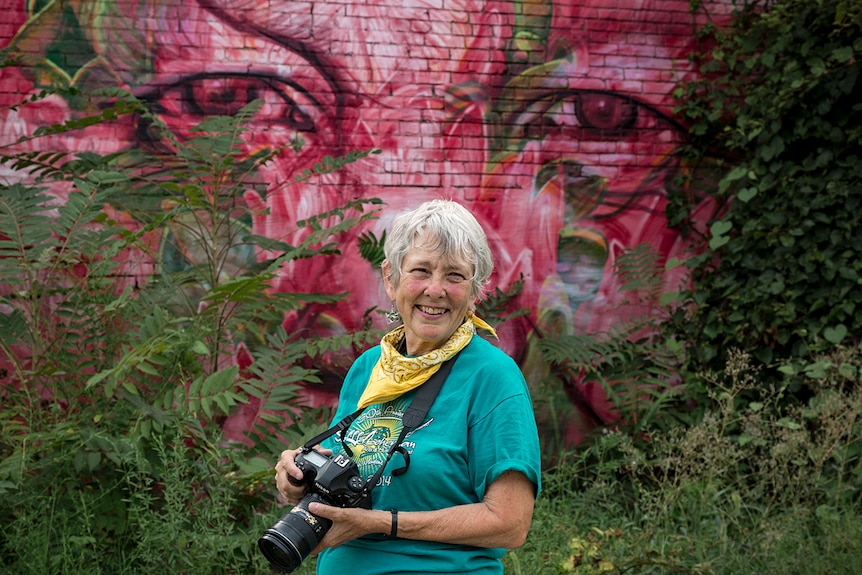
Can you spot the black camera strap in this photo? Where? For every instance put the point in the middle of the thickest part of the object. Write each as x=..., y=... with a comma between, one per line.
x=412, y=418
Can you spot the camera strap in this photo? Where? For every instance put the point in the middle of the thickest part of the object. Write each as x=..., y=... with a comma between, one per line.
x=412, y=418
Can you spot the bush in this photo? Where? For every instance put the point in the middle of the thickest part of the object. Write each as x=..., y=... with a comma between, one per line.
x=115, y=385
x=751, y=487
x=776, y=109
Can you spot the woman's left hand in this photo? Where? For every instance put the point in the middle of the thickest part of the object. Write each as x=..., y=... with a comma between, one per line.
x=350, y=523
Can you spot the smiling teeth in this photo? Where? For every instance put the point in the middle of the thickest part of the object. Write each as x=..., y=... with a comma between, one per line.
x=432, y=310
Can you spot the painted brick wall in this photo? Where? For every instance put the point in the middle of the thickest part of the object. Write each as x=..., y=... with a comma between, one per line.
x=550, y=119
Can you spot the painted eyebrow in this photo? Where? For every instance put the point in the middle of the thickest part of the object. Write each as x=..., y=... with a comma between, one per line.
x=315, y=57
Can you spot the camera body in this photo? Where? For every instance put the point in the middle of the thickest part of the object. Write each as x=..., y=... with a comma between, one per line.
x=330, y=480
x=336, y=479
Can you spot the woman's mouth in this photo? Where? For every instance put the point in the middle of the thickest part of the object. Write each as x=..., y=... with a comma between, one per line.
x=431, y=310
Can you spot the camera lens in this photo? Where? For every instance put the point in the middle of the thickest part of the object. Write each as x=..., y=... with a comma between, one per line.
x=287, y=543
x=280, y=553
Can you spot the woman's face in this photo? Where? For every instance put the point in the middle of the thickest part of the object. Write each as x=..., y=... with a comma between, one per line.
x=433, y=296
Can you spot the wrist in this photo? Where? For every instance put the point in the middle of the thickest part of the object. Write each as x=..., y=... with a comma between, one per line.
x=393, y=524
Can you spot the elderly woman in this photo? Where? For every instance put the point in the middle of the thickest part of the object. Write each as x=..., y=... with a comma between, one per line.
x=474, y=468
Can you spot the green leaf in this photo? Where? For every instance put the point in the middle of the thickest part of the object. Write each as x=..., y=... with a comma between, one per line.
x=772, y=149
x=721, y=227
x=735, y=174
x=199, y=348
x=843, y=54
x=788, y=424
x=220, y=380
x=195, y=387
x=146, y=367
x=818, y=369
x=835, y=334
x=747, y=194
x=787, y=369
x=670, y=297
x=718, y=229
x=818, y=67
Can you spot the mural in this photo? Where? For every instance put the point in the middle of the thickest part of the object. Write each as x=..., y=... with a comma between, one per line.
x=550, y=119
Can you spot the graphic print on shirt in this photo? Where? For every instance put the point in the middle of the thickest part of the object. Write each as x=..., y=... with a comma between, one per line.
x=372, y=434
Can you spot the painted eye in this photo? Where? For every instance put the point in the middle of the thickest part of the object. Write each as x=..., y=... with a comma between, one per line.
x=603, y=111
x=203, y=95
x=589, y=116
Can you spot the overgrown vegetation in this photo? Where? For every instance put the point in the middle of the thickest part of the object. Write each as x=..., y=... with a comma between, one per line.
x=755, y=486
x=778, y=109
x=116, y=384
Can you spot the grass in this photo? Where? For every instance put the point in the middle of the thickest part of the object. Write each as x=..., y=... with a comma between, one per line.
x=704, y=531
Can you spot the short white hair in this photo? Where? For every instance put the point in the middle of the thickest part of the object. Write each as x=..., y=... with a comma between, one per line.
x=454, y=233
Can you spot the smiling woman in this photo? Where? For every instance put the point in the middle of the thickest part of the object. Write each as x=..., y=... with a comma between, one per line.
x=442, y=269
x=432, y=297
x=474, y=461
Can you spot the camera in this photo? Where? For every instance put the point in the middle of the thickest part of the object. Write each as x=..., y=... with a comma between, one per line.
x=330, y=480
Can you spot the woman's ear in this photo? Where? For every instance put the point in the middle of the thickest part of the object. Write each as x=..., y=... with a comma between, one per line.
x=386, y=269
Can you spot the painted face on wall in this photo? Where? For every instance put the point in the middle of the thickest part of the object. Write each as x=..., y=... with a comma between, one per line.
x=550, y=119
x=588, y=149
x=586, y=157
x=402, y=79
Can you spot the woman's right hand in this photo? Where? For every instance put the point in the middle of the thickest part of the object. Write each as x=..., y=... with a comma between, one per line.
x=286, y=469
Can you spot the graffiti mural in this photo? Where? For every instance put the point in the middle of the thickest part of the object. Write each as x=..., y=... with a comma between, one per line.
x=550, y=119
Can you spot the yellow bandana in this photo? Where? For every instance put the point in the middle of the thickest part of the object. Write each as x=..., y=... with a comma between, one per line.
x=395, y=374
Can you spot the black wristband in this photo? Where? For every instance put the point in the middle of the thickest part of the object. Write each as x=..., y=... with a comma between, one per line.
x=393, y=531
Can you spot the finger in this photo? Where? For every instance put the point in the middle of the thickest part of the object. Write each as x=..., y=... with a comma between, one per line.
x=325, y=511
x=285, y=471
x=287, y=464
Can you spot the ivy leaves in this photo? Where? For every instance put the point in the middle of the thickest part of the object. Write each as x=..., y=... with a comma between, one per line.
x=779, y=106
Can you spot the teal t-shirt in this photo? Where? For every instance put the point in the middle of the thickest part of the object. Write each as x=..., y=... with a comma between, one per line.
x=480, y=425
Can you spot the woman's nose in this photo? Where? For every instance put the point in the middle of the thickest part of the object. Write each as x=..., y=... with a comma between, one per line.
x=436, y=286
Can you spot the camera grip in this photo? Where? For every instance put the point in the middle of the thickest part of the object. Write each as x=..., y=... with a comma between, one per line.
x=303, y=467
x=294, y=481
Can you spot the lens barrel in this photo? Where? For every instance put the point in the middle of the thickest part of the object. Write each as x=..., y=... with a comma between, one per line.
x=287, y=543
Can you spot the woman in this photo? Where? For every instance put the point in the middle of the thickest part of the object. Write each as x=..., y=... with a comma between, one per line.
x=474, y=467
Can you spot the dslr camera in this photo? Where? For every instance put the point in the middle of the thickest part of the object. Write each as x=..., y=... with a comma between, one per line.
x=331, y=480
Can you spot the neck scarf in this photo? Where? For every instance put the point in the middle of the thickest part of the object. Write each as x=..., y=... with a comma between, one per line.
x=395, y=374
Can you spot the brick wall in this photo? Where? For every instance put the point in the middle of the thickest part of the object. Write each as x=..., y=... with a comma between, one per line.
x=551, y=120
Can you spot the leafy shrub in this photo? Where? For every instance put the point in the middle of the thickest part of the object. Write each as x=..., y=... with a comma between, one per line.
x=111, y=455
x=777, y=109
x=755, y=486
x=637, y=365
